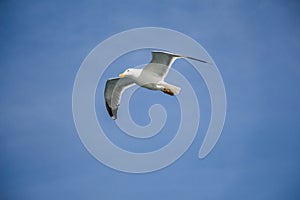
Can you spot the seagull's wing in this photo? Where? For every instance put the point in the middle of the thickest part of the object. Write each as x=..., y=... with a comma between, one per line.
x=160, y=64
x=162, y=61
x=113, y=90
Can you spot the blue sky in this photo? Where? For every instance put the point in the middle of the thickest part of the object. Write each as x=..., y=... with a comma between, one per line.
x=256, y=47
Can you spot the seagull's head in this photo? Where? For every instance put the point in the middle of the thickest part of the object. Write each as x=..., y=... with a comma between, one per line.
x=127, y=73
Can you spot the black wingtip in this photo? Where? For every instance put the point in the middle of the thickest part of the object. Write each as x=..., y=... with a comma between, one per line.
x=108, y=109
x=203, y=61
x=112, y=113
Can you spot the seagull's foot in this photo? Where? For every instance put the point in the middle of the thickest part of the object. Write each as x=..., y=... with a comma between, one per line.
x=168, y=91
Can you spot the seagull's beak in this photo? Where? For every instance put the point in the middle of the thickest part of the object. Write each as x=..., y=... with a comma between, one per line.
x=121, y=75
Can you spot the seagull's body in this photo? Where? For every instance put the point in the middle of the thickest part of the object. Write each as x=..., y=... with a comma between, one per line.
x=151, y=77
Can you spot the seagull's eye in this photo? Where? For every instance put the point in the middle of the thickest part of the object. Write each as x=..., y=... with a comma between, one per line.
x=127, y=70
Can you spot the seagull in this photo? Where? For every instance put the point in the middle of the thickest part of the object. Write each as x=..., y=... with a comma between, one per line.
x=151, y=77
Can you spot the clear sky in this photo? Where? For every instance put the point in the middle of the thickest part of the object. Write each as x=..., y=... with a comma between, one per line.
x=256, y=46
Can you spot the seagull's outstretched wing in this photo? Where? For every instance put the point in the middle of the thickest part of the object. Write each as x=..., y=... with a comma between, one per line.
x=160, y=64
x=162, y=61
x=113, y=90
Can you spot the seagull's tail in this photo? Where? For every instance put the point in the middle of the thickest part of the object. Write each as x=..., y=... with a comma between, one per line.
x=170, y=89
x=175, y=89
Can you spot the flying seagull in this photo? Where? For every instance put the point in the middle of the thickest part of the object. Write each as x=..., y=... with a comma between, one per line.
x=151, y=77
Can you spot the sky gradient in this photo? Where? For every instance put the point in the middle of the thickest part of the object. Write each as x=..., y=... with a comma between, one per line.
x=256, y=46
